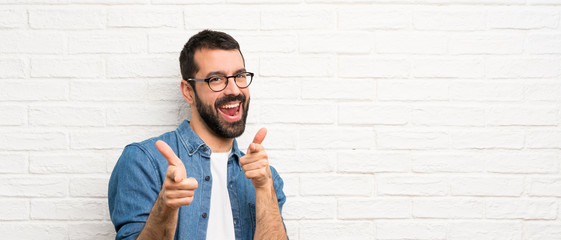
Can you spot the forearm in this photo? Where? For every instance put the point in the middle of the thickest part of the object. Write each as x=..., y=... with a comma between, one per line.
x=268, y=217
x=161, y=223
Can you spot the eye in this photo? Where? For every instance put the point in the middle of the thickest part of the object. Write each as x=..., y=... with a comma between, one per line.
x=241, y=75
x=214, y=79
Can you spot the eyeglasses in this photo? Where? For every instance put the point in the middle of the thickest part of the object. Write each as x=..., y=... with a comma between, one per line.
x=219, y=83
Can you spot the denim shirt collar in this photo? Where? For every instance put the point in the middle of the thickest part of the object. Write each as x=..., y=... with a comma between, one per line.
x=185, y=133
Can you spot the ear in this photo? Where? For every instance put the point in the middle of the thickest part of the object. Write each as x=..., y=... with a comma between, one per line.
x=188, y=92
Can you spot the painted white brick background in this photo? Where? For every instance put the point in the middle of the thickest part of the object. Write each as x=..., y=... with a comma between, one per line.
x=388, y=119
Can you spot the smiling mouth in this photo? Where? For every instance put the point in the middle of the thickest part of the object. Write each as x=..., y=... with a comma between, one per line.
x=231, y=110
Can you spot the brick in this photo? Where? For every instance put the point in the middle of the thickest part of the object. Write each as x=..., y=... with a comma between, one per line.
x=31, y=42
x=522, y=162
x=14, y=209
x=522, y=19
x=292, y=228
x=33, y=230
x=310, y=208
x=373, y=208
x=69, y=209
x=543, y=43
x=13, y=115
x=411, y=43
x=198, y=17
x=33, y=140
x=164, y=89
x=371, y=114
x=522, y=68
x=528, y=209
x=110, y=138
x=475, y=90
x=420, y=89
x=542, y=230
x=12, y=68
x=336, y=185
x=263, y=1
x=487, y=186
x=355, y=89
x=446, y=19
x=59, y=115
x=300, y=18
x=275, y=88
x=539, y=139
x=144, y=17
x=135, y=67
x=535, y=115
x=406, y=229
x=291, y=184
x=448, y=208
x=545, y=186
x=31, y=186
x=338, y=138
x=446, y=115
x=368, y=18
x=89, y=186
x=13, y=18
x=344, y=42
x=42, y=90
x=302, y=161
x=372, y=161
x=168, y=42
x=447, y=162
x=544, y=2
x=373, y=67
x=143, y=114
x=544, y=90
x=487, y=139
x=408, y=139
x=412, y=186
x=486, y=230
x=67, y=162
x=67, y=67
x=337, y=230
x=448, y=68
x=108, y=90
x=11, y=162
x=267, y=42
x=298, y=113
x=107, y=43
x=299, y=66
x=90, y=18
x=35, y=1
x=91, y=231
x=486, y=43
x=113, y=2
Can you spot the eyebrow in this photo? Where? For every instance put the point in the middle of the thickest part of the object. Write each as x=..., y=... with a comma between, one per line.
x=222, y=73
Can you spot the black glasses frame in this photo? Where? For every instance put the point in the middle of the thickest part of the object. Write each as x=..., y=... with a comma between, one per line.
x=207, y=80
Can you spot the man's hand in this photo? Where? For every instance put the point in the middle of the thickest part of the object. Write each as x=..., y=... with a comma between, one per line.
x=178, y=190
x=256, y=163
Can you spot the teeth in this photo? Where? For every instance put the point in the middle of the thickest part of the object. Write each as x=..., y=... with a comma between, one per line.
x=230, y=105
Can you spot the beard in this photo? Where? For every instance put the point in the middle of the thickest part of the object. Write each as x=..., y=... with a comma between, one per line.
x=219, y=126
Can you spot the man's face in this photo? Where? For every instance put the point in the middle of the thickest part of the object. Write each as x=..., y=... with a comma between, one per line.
x=224, y=112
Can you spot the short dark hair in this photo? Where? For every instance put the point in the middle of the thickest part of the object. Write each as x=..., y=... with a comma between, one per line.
x=208, y=39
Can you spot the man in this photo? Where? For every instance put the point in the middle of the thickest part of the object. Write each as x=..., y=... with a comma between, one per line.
x=194, y=182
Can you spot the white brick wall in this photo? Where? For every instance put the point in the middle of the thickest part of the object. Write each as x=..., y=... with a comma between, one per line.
x=388, y=119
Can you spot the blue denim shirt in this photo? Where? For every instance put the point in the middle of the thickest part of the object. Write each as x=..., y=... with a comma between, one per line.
x=140, y=172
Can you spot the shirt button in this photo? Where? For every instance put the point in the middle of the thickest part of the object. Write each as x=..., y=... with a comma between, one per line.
x=204, y=149
x=204, y=215
x=207, y=178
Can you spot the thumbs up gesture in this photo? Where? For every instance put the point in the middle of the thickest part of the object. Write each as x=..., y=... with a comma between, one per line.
x=256, y=163
x=178, y=190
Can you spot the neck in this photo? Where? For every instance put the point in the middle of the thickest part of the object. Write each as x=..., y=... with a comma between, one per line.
x=216, y=143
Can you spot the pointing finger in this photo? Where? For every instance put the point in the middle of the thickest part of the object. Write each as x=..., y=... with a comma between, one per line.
x=178, y=173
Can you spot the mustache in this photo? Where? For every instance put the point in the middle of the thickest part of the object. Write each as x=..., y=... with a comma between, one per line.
x=230, y=98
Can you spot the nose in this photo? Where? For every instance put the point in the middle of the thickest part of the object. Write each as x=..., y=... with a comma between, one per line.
x=232, y=88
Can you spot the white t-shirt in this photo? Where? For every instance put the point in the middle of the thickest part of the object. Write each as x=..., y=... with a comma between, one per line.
x=220, y=220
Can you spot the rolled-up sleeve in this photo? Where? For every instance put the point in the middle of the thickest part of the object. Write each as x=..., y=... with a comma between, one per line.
x=133, y=188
